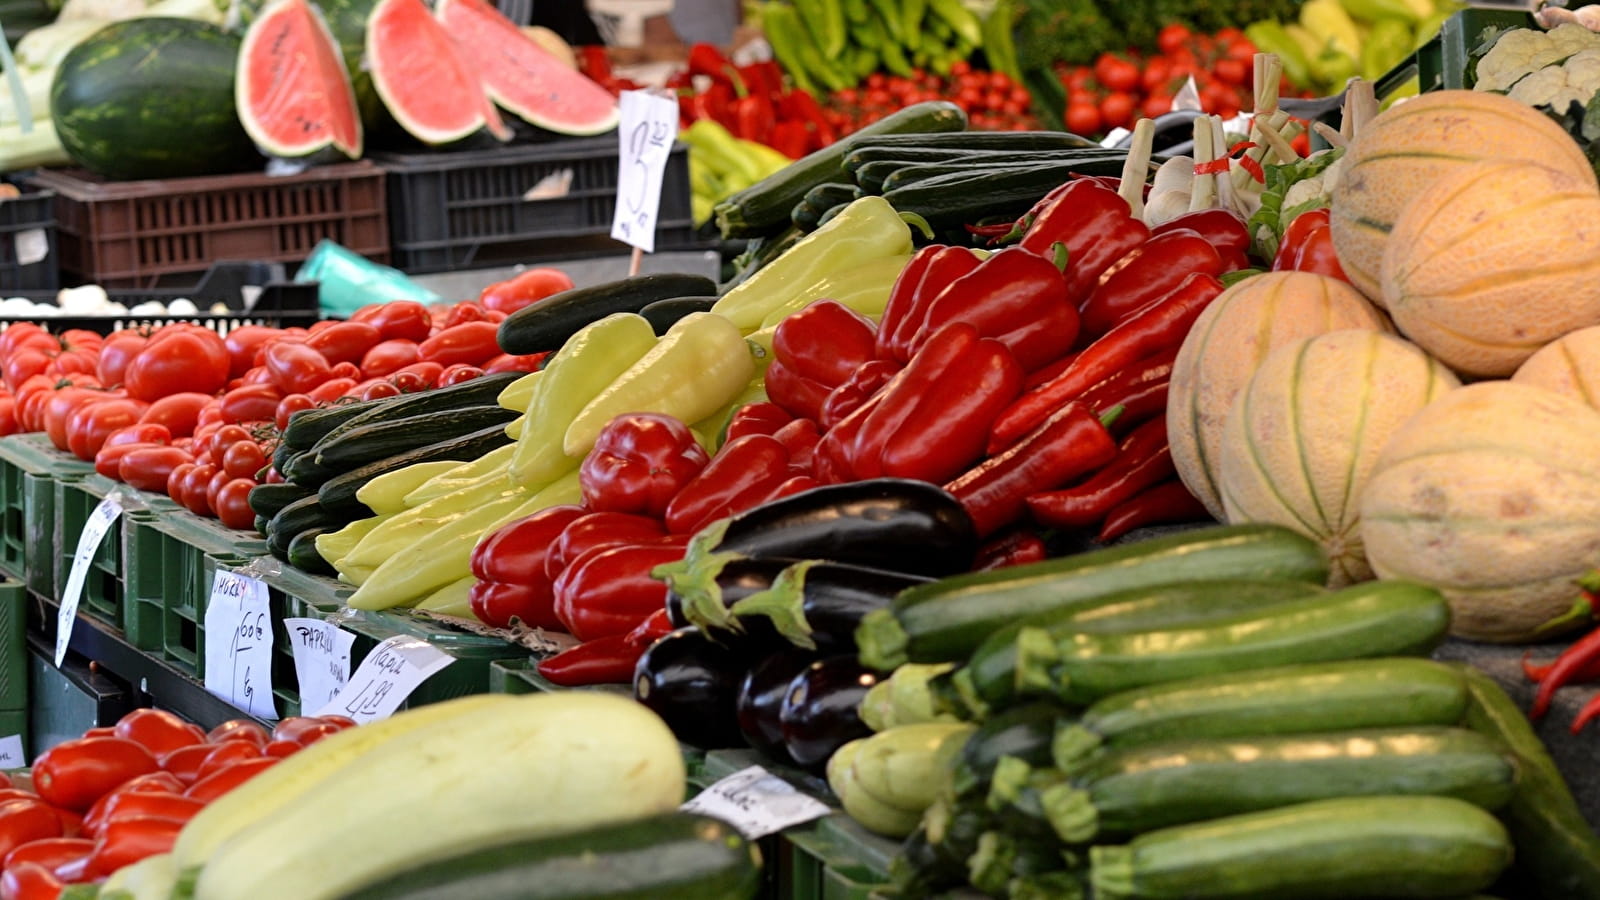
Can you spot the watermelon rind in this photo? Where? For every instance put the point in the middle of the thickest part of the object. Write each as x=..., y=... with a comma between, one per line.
x=347, y=19
x=391, y=65
x=316, y=146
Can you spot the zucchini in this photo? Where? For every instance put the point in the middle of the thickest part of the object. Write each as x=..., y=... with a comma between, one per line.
x=302, y=552
x=338, y=494
x=1022, y=732
x=764, y=207
x=1323, y=850
x=906, y=175
x=1362, y=693
x=820, y=199
x=1382, y=618
x=267, y=499
x=871, y=153
x=382, y=439
x=662, y=314
x=302, y=515
x=675, y=856
x=546, y=325
x=967, y=196
x=1139, y=789
x=307, y=426
x=1000, y=857
x=948, y=619
x=986, y=141
x=480, y=391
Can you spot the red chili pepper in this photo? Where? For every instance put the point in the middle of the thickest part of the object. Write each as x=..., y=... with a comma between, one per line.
x=1096, y=226
x=1588, y=713
x=1048, y=373
x=1146, y=275
x=1581, y=655
x=639, y=463
x=825, y=342
x=860, y=387
x=1308, y=246
x=510, y=566
x=608, y=590
x=791, y=139
x=1165, y=504
x=1144, y=459
x=1224, y=228
x=1065, y=446
x=758, y=418
x=1014, y=548
x=599, y=529
x=607, y=660
x=1140, y=389
x=897, y=339
x=1015, y=297
x=931, y=423
x=741, y=475
x=1159, y=326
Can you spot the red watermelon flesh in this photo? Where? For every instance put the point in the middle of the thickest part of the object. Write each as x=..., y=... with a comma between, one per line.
x=523, y=77
x=426, y=79
x=291, y=89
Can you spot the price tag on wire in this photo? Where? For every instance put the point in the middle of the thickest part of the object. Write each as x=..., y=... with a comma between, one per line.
x=649, y=126
x=12, y=754
x=321, y=659
x=239, y=643
x=94, y=531
x=756, y=802
x=383, y=681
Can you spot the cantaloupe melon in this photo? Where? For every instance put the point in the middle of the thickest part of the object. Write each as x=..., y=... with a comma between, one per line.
x=1228, y=342
x=1493, y=261
x=1492, y=495
x=1305, y=431
x=1406, y=147
x=1568, y=366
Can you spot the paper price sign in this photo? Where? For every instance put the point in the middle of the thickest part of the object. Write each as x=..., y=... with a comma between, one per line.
x=239, y=644
x=756, y=802
x=649, y=125
x=94, y=531
x=321, y=659
x=388, y=675
x=12, y=755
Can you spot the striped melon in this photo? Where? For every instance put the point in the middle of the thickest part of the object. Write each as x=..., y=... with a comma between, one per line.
x=1300, y=440
x=1406, y=147
x=1568, y=366
x=1492, y=495
x=1228, y=342
x=1493, y=261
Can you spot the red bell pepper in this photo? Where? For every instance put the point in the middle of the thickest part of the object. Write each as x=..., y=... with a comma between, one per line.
x=1019, y=547
x=798, y=395
x=1015, y=297
x=898, y=334
x=800, y=438
x=753, y=118
x=860, y=387
x=607, y=660
x=1140, y=389
x=1308, y=246
x=758, y=418
x=831, y=461
x=639, y=462
x=599, y=529
x=826, y=342
x=510, y=567
x=1160, y=326
x=1096, y=226
x=608, y=590
x=1144, y=460
x=791, y=139
x=1069, y=444
x=1224, y=228
x=1146, y=275
x=1167, y=503
x=742, y=474
x=931, y=422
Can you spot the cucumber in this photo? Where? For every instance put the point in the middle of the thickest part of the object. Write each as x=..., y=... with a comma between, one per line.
x=307, y=426
x=871, y=153
x=662, y=314
x=302, y=515
x=1139, y=789
x=338, y=494
x=382, y=439
x=764, y=207
x=1323, y=850
x=546, y=325
x=820, y=199
x=906, y=175
x=982, y=141
x=967, y=196
x=675, y=856
x=302, y=553
x=1382, y=618
x=948, y=619
x=480, y=391
x=1022, y=732
x=1362, y=693
x=267, y=499
x=303, y=470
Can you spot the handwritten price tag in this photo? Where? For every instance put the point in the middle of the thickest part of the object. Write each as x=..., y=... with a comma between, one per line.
x=388, y=675
x=756, y=802
x=649, y=125
x=12, y=754
x=94, y=531
x=321, y=659
x=239, y=644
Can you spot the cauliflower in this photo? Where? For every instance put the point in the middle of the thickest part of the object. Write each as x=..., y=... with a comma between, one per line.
x=1523, y=52
x=1558, y=87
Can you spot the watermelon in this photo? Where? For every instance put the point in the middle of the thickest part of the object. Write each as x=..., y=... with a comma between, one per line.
x=151, y=98
x=291, y=89
x=347, y=19
x=425, y=78
x=525, y=78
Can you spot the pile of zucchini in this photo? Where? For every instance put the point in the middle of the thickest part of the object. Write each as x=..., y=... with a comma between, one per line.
x=325, y=455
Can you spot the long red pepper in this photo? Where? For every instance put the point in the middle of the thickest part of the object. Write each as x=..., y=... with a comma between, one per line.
x=1224, y=228
x=1140, y=389
x=831, y=460
x=1017, y=298
x=903, y=296
x=1308, y=246
x=860, y=387
x=946, y=266
x=1165, y=504
x=1146, y=275
x=895, y=404
x=1572, y=660
x=1143, y=460
x=1160, y=326
x=1590, y=711
x=1096, y=226
x=1014, y=548
x=796, y=394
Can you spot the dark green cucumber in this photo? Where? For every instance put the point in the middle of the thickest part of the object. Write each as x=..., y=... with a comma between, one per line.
x=338, y=494
x=1022, y=732
x=808, y=212
x=1558, y=852
x=907, y=175
x=302, y=469
x=1381, y=618
x=546, y=325
x=1323, y=850
x=948, y=619
x=267, y=499
x=663, y=314
x=764, y=207
x=869, y=153
x=302, y=515
x=983, y=140
x=308, y=426
x=384, y=438
x=302, y=553
x=480, y=391
x=675, y=856
x=1295, y=699
x=967, y=196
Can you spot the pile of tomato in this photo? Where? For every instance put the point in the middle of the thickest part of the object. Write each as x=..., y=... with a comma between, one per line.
x=188, y=412
x=991, y=100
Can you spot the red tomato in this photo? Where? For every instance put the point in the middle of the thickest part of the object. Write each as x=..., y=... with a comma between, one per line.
x=159, y=731
x=458, y=373
x=147, y=468
x=250, y=403
x=418, y=376
x=377, y=390
x=25, y=820
x=226, y=779
x=505, y=362
x=192, y=487
x=130, y=840
x=52, y=852
x=303, y=730
x=226, y=754
x=243, y=459
x=462, y=313
x=163, y=806
x=58, y=408
x=469, y=342
x=233, y=504
x=1172, y=37
x=80, y=361
x=290, y=405
x=143, y=433
x=17, y=333
x=524, y=289
x=176, y=480
x=24, y=363
x=1083, y=118
x=397, y=320
x=30, y=881
x=115, y=355
x=179, y=412
x=108, y=461
x=345, y=370
x=331, y=390
x=296, y=368
x=184, y=764
x=89, y=425
x=388, y=357
x=243, y=343
x=345, y=341
x=8, y=415
x=238, y=730
x=281, y=749
x=175, y=361
x=214, y=487
x=76, y=773
x=226, y=437
x=1116, y=110
x=256, y=375
x=1231, y=71
x=1156, y=104
x=154, y=783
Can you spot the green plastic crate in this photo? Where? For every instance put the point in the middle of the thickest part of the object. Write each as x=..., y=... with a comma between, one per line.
x=75, y=500
x=164, y=551
x=29, y=465
x=13, y=647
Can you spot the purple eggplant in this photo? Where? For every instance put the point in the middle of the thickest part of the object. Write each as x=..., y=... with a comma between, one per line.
x=817, y=604
x=692, y=682
x=761, y=696
x=738, y=579
x=819, y=713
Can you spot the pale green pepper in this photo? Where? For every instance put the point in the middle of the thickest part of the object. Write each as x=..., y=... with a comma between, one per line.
x=1386, y=46
x=868, y=229
x=864, y=288
x=491, y=464
x=515, y=395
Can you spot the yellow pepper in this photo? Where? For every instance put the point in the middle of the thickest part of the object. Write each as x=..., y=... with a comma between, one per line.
x=515, y=395
x=466, y=474
x=386, y=494
x=451, y=600
x=864, y=289
x=402, y=529
x=336, y=545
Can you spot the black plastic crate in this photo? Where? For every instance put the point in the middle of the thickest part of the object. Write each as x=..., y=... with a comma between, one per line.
x=468, y=209
x=27, y=228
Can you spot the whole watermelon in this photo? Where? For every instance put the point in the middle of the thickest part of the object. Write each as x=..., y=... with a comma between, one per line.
x=152, y=98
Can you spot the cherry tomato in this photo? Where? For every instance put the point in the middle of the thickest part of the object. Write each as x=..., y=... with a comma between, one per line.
x=176, y=360
x=332, y=389
x=238, y=730
x=159, y=731
x=458, y=373
x=1083, y=118
x=30, y=881
x=397, y=320
x=290, y=405
x=469, y=342
x=243, y=343
x=127, y=841
x=296, y=368
x=389, y=357
x=345, y=341
x=377, y=390
x=233, y=504
x=1231, y=71
x=1156, y=104
x=147, y=468
x=76, y=773
x=1116, y=110
x=227, y=778
x=89, y=425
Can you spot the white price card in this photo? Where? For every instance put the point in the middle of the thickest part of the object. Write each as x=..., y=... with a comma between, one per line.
x=94, y=531
x=321, y=659
x=12, y=754
x=239, y=643
x=756, y=802
x=383, y=681
x=649, y=125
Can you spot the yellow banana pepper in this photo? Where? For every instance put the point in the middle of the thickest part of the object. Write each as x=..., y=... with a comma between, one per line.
x=387, y=493
x=515, y=427
x=864, y=289
x=515, y=395
x=1328, y=20
x=463, y=475
x=451, y=600
x=402, y=529
x=336, y=545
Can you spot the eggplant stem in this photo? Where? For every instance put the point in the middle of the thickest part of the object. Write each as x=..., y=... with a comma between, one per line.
x=783, y=604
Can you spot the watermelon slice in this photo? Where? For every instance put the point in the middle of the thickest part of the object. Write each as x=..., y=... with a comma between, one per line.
x=523, y=77
x=425, y=77
x=291, y=88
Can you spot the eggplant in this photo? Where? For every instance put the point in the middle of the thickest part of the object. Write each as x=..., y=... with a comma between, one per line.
x=692, y=682
x=819, y=712
x=817, y=604
x=732, y=583
x=760, y=700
